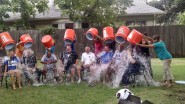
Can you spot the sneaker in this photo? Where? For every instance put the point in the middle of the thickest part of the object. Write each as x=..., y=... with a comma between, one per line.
x=79, y=80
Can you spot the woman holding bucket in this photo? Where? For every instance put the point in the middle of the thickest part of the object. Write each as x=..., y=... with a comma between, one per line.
x=164, y=55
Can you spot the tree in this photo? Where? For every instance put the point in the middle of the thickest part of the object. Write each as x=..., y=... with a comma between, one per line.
x=28, y=9
x=181, y=18
x=95, y=12
x=4, y=8
x=176, y=7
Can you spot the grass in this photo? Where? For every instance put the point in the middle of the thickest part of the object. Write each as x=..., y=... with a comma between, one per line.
x=100, y=94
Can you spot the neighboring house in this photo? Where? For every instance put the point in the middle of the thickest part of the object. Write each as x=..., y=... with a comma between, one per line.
x=138, y=14
x=141, y=14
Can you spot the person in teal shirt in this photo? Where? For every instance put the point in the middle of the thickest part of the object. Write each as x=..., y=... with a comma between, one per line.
x=162, y=54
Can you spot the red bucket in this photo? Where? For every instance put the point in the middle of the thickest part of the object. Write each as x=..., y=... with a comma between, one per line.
x=48, y=41
x=91, y=33
x=69, y=36
x=6, y=41
x=122, y=34
x=27, y=40
x=108, y=34
x=134, y=37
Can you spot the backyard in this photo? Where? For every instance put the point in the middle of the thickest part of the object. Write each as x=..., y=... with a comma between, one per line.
x=100, y=94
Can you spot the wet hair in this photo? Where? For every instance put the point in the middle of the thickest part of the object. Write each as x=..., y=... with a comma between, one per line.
x=156, y=37
x=146, y=34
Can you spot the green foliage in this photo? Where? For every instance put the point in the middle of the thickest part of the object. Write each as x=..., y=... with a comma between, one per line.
x=49, y=30
x=27, y=9
x=181, y=18
x=175, y=7
x=4, y=8
x=95, y=12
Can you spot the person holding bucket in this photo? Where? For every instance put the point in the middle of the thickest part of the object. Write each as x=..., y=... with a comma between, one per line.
x=19, y=50
x=164, y=55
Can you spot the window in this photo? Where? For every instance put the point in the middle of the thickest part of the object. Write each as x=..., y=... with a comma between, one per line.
x=136, y=23
x=85, y=25
x=69, y=25
x=55, y=26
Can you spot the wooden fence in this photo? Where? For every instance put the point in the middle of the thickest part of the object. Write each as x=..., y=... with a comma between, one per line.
x=173, y=36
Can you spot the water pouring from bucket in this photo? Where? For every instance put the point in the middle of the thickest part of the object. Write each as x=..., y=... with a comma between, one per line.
x=69, y=36
x=134, y=37
x=122, y=34
x=108, y=34
x=91, y=33
x=6, y=41
x=27, y=40
x=48, y=41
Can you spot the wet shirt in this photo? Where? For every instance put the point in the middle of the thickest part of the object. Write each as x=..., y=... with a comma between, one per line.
x=106, y=57
x=88, y=58
x=11, y=62
x=161, y=51
x=30, y=61
x=118, y=56
x=69, y=58
x=49, y=59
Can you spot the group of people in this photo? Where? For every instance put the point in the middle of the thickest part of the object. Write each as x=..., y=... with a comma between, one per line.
x=107, y=64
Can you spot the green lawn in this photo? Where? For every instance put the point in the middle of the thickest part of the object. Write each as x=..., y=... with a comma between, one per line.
x=100, y=94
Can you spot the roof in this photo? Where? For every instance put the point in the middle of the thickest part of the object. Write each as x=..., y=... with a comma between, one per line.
x=51, y=13
x=140, y=8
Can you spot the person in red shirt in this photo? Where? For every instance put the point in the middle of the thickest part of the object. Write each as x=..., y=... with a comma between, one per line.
x=98, y=45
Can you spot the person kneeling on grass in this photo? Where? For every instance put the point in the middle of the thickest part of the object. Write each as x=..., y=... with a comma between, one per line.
x=69, y=59
x=49, y=60
x=164, y=55
x=11, y=69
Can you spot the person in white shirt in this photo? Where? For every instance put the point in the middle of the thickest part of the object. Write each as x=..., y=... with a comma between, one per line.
x=88, y=59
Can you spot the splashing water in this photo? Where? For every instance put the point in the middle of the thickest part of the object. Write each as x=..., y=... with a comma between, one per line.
x=145, y=61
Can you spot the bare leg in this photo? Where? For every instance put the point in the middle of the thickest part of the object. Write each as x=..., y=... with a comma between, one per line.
x=12, y=79
x=72, y=74
x=18, y=75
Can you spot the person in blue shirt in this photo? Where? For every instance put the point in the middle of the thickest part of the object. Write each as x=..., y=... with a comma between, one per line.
x=164, y=55
x=105, y=61
x=11, y=69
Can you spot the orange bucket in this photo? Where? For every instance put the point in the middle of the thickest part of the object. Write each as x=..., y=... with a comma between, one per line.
x=91, y=33
x=27, y=40
x=69, y=36
x=134, y=37
x=122, y=34
x=6, y=41
x=108, y=34
x=48, y=41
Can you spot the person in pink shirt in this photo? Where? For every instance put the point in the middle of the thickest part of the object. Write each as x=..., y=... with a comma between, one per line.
x=98, y=45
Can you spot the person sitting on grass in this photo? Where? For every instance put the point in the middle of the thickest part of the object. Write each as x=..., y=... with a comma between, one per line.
x=88, y=59
x=49, y=60
x=164, y=55
x=69, y=60
x=11, y=69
